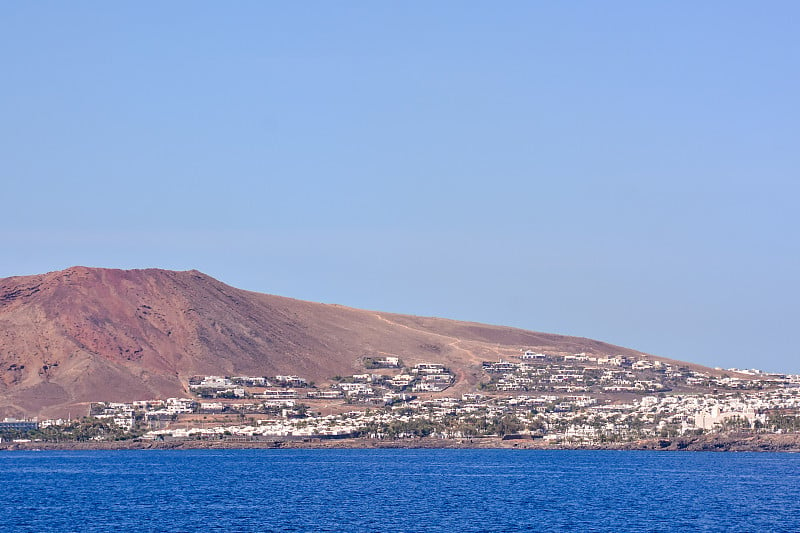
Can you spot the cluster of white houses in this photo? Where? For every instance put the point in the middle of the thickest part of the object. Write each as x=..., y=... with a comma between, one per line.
x=572, y=397
x=573, y=418
x=576, y=373
x=237, y=386
x=367, y=387
x=581, y=418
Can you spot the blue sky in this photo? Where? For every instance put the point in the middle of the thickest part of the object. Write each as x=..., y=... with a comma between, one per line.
x=625, y=171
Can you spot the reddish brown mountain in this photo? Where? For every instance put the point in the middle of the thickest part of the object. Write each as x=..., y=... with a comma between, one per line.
x=88, y=334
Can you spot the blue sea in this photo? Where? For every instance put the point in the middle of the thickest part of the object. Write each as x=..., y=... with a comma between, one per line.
x=398, y=490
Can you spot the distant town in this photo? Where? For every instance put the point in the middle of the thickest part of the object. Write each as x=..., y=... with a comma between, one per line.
x=576, y=399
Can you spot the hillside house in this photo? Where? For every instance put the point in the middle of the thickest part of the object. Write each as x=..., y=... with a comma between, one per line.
x=530, y=355
x=429, y=368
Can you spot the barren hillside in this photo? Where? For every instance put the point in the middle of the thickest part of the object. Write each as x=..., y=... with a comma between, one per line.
x=88, y=334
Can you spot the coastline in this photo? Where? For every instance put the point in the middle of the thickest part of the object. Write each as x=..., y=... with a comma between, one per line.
x=738, y=442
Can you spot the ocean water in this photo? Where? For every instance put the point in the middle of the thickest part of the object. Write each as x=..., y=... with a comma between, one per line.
x=398, y=490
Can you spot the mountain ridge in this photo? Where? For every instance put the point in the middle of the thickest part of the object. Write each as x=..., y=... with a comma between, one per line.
x=92, y=334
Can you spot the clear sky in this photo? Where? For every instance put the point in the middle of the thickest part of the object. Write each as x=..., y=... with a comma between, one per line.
x=625, y=171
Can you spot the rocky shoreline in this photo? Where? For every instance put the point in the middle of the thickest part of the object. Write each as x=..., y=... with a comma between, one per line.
x=734, y=442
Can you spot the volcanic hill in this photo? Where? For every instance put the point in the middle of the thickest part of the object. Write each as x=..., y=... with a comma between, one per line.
x=90, y=334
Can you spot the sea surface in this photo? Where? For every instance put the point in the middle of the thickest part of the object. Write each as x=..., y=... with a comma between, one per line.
x=398, y=490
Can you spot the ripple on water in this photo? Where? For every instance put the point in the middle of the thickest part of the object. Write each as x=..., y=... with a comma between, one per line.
x=398, y=490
